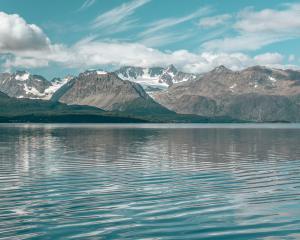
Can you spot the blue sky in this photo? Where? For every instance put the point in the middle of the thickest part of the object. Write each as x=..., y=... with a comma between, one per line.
x=57, y=37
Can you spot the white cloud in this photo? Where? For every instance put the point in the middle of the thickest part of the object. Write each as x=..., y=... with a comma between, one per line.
x=292, y=57
x=208, y=60
x=171, y=22
x=214, y=21
x=255, y=29
x=94, y=53
x=17, y=35
x=241, y=42
x=269, y=59
x=86, y=4
x=286, y=21
x=23, y=62
x=107, y=53
x=163, y=39
x=117, y=17
x=87, y=54
x=160, y=33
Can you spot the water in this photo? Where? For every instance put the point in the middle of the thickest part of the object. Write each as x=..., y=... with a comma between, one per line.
x=150, y=182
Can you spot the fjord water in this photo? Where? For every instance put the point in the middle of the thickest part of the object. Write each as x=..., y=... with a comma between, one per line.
x=150, y=181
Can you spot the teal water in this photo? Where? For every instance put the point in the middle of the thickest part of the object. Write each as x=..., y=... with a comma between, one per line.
x=150, y=181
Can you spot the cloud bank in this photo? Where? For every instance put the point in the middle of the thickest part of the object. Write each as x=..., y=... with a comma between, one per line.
x=26, y=46
x=16, y=35
x=256, y=29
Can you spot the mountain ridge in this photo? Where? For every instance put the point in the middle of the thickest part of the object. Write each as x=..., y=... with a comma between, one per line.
x=256, y=93
x=107, y=91
x=226, y=92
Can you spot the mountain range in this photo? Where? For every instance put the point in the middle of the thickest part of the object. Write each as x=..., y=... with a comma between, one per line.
x=258, y=93
x=253, y=94
x=22, y=84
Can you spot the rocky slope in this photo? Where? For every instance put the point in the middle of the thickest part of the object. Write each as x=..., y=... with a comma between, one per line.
x=154, y=79
x=43, y=111
x=256, y=93
x=25, y=85
x=107, y=91
x=22, y=84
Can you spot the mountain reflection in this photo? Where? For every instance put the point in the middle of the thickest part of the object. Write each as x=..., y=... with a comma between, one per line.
x=160, y=148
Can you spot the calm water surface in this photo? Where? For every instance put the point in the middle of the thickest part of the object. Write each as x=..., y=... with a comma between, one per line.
x=150, y=182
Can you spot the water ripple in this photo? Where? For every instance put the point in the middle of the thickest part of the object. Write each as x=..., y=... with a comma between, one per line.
x=149, y=182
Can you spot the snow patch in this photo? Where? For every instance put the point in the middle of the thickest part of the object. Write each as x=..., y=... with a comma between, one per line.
x=32, y=91
x=120, y=75
x=55, y=86
x=185, y=79
x=272, y=79
x=93, y=71
x=22, y=77
x=157, y=80
x=233, y=86
x=101, y=72
x=171, y=74
x=146, y=80
x=146, y=73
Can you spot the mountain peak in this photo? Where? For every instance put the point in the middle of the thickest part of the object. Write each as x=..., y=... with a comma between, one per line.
x=171, y=68
x=21, y=72
x=94, y=72
x=22, y=75
x=258, y=68
x=221, y=69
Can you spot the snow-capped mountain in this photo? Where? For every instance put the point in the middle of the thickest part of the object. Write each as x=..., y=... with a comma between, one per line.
x=155, y=78
x=107, y=91
x=22, y=84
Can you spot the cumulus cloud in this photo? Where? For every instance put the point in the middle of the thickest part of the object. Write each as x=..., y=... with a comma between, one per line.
x=23, y=62
x=255, y=29
x=269, y=58
x=214, y=21
x=17, y=35
x=94, y=53
x=270, y=20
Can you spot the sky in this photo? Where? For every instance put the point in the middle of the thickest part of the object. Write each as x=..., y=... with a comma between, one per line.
x=57, y=38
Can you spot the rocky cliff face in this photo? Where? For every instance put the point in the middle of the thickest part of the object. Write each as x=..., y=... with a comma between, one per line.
x=256, y=93
x=25, y=85
x=107, y=91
